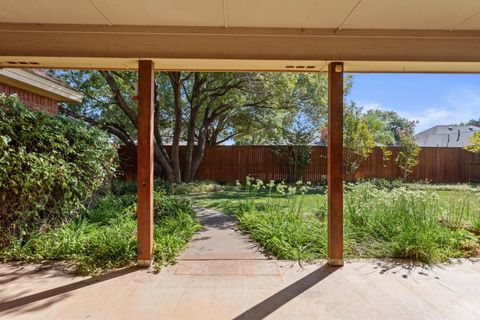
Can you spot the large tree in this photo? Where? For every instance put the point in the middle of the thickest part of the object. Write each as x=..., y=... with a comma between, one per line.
x=198, y=109
x=386, y=125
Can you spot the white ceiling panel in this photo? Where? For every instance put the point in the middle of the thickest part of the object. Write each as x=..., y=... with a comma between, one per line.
x=288, y=14
x=473, y=23
x=411, y=14
x=50, y=11
x=163, y=12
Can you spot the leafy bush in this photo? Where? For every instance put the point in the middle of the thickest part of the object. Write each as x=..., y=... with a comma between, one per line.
x=48, y=166
x=382, y=183
x=203, y=186
x=474, y=143
x=407, y=154
x=357, y=140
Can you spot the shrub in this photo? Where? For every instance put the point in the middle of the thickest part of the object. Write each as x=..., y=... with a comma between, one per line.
x=104, y=236
x=48, y=165
x=407, y=155
x=357, y=140
x=474, y=143
x=204, y=186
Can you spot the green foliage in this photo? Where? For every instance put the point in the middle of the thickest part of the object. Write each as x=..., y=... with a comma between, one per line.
x=293, y=151
x=379, y=128
x=406, y=224
x=48, y=166
x=471, y=122
x=382, y=219
x=379, y=120
x=194, y=187
x=286, y=234
x=407, y=154
x=475, y=143
x=386, y=155
x=104, y=236
x=358, y=141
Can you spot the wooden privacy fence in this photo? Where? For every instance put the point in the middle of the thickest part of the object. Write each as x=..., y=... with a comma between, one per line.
x=231, y=163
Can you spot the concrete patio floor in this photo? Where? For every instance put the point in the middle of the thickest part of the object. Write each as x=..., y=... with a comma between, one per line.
x=223, y=276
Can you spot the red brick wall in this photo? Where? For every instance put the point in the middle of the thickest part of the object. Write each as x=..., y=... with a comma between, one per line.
x=31, y=100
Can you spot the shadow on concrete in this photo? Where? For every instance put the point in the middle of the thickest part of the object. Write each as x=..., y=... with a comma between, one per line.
x=269, y=305
x=55, y=292
x=215, y=220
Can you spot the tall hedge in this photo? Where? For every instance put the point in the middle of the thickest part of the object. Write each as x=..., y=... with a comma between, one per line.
x=49, y=164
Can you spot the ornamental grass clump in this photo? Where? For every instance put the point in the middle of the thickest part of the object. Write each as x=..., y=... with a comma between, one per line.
x=290, y=221
x=402, y=223
x=105, y=235
x=279, y=223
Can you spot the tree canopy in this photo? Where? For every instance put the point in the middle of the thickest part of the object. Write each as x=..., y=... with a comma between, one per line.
x=199, y=109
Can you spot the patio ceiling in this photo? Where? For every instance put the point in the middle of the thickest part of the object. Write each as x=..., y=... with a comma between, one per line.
x=274, y=35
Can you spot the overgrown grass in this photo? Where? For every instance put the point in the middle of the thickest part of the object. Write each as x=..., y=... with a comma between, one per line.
x=104, y=236
x=406, y=221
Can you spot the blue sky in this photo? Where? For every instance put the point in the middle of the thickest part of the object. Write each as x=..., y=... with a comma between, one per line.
x=430, y=99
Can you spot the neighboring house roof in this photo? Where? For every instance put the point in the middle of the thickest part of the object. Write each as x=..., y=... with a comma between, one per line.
x=37, y=81
x=446, y=136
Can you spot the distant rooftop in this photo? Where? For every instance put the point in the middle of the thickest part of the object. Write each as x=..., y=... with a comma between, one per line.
x=446, y=136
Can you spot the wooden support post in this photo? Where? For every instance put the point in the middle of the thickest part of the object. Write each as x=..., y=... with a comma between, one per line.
x=335, y=164
x=145, y=163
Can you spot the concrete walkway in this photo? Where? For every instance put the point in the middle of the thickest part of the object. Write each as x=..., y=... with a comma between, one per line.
x=222, y=275
x=219, y=240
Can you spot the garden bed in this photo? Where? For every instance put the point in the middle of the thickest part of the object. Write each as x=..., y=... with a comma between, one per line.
x=104, y=235
x=410, y=221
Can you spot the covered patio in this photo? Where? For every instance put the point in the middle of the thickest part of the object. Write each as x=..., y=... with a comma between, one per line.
x=335, y=37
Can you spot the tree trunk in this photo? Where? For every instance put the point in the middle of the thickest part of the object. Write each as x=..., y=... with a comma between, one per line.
x=194, y=109
x=175, y=81
x=199, y=152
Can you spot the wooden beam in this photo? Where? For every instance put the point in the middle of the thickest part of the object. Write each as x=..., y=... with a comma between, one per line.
x=335, y=164
x=157, y=42
x=145, y=163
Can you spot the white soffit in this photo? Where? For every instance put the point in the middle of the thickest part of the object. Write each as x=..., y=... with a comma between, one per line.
x=163, y=12
x=411, y=14
x=246, y=65
x=472, y=23
x=50, y=11
x=288, y=14
x=347, y=14
x=167, y=64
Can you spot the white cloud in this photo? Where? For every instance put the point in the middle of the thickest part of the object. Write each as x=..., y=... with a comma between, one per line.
x=368, y=105
x=459, y=105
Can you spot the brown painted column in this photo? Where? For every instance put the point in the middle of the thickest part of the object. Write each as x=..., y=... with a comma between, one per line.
x=145, y=163
x=335, y=164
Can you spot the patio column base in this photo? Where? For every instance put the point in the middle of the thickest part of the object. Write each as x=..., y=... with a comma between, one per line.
x=145, y=263
x=335, y=262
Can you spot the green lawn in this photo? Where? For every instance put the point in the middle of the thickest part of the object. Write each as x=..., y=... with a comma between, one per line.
x=428, y=223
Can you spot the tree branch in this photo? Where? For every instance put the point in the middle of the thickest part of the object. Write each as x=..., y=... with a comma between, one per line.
x=118, y=97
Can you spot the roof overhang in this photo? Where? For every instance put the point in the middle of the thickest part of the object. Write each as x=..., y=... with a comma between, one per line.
x=238, y=49
x=31, y=82
x=253, y=35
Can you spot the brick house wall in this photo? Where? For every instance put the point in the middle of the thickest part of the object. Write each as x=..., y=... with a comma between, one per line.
x=31, y=100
